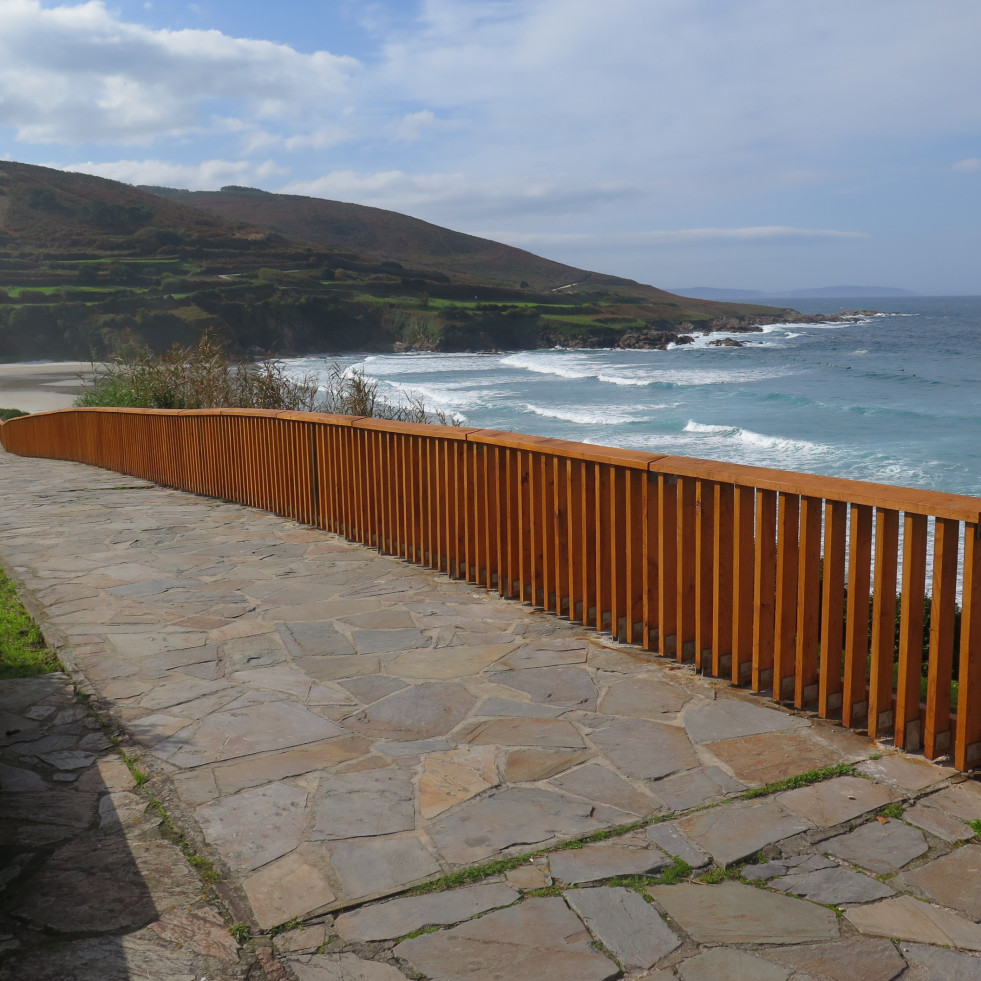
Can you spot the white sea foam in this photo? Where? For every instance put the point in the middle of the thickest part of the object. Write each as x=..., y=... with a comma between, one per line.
x=604, y=415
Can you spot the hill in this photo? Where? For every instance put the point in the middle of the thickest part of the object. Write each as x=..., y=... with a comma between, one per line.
x=386, y=236
x=88, y=265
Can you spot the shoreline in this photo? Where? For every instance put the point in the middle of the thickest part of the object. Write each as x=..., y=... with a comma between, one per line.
x=42, y=386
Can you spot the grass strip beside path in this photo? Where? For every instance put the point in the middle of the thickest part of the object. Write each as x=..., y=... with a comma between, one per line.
x=23, y=652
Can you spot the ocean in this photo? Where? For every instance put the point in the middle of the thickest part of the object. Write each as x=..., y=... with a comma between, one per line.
x=894, y=398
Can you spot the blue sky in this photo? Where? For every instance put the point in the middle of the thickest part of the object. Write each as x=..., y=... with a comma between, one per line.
x=754, y=144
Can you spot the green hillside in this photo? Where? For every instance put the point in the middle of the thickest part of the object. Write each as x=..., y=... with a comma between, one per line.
x=88, y=265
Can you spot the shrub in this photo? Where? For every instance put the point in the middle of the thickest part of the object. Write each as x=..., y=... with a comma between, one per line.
x=207, y=377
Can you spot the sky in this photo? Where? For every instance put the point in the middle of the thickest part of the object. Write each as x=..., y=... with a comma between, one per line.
x=751, y=144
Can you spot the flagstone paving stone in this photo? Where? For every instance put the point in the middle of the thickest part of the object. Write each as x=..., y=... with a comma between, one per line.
x=593, y=863
x=906, y=772
x=768, y=757
x=835, y=886
x=646, y=750
x=341, y=967
x=879, y=848
x=906, y=918
x=954, y=880
x=849, y=960
x=938, y=823
x=512, y=818
x=732, y=833
x=372, y=867
x=933, y=964
x=600, y=784
x=399, y=917
x=729, y=718
x=627, y=925
x=732, y=912
x=692, y=788
x=731, y=964
x=835, y=801
x=963, y=800
x=540, y=940
x=667, y=837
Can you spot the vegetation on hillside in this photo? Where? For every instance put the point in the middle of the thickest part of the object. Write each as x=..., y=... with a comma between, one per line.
x=206, y=376
x=88, y=266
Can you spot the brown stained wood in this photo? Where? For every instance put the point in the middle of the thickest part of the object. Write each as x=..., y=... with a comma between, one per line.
x=685, y=578
x=619, y=546
x=764, y=589
x=832, y=608
x=704, y=571
x=562, y=533
x=650, y=508
x=603, y=537
x=531, y=531
x=808, y=602
x=667, y=563
x=967, y=747
x=743, y=584
x=936, y=727
x=513, y=512
x=577, y=545
x=883, y=623
x=954, y=506
x=907, y=724
x=524, y=527
x=589, y=519
x=636, y=482
x=723, y=533
x=785, y=607
x=549, y=537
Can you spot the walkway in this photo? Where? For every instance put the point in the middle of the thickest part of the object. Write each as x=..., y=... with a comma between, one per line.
x=332, y=727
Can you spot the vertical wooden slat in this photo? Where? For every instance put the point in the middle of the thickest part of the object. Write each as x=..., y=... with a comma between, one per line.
x=808, y=602
x=764, y=589
x=883, y=623
x=636, y=479
x=907, y=723
x=743, y=584
x=650, y=509
x=854, y=704
x=603, y=536
x=704, y=572
x=832, y=608
x=589, y=518
x=785, y=607
x=686, y=561
x=967, y=750
x=667, y=562
x=722, y=592
x=936, y=728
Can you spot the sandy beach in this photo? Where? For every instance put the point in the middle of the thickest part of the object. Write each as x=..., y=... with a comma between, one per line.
x=41, y=386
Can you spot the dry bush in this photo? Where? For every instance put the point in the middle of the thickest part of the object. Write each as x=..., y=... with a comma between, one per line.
x=207, y=377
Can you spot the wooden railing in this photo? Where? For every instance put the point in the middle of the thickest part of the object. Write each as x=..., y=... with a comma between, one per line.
x=783, y=581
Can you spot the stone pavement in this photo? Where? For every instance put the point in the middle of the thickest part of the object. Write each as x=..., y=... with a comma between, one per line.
x=332, y=728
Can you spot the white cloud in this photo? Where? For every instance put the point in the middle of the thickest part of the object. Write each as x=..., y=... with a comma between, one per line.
x=411, y=127
x=766, y=234
x=972, y=163
x=76, y=74
x=462, y=195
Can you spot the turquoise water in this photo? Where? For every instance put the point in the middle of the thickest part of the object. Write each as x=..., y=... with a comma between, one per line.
x=894, y=398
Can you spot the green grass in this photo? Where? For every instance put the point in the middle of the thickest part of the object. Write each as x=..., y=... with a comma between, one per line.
x=802, y=780
x=23, y=652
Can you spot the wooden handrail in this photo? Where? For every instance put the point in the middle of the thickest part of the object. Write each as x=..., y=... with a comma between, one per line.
x=783, y=581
